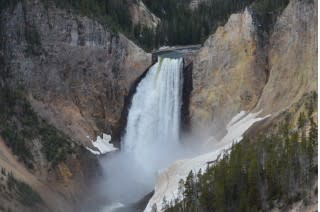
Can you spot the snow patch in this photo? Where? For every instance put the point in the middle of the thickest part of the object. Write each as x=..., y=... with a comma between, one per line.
x=236, y=118
x=168, y=180
x=102, y=144
x=93, y=151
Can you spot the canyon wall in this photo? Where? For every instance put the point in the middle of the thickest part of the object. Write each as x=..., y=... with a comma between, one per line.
x=76, y=72
x=229, y=74
x=242, y=67
x=140, y=14
x=292, y=56
x=248, y=79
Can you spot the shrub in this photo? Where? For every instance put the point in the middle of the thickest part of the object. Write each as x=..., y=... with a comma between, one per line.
x=276, y=167
x=19, y=124
x=33, y=40
x=26, y=195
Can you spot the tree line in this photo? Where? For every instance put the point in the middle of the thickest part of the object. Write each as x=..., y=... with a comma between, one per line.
x=259, y=174
x=179, y=24
x=19, y=125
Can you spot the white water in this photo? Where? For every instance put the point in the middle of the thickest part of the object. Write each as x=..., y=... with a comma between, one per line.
x=167, y=184
x=153, y=124
x=151, y=139
x=151, y=142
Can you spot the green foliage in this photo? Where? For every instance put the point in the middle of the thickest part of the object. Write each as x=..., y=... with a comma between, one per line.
x=19, y=124
x=269, y=6
x=302, y=120
x=56, y=145
x=4, y=4
x=266, y=10
x=179, y=24
x=33, y=41
x=256, y=174
x=18, y=146
x=11, y=105
x=114, y=14
x=26, y=195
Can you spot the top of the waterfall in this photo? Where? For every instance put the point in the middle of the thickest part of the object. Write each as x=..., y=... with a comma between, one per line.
x=176, y=50
x=171, y=54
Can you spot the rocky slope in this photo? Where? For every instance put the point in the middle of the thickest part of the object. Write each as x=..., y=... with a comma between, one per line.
x=243, y=67
x=76, y=75
x=292, y=56
x=77, y=72
x=140, y=14
x=229, y=74
x=238, y=69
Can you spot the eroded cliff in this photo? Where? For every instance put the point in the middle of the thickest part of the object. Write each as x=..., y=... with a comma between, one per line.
x=251, y=74
x=76, y=72
x=243, y=67
x=229, y=74
x=292, y=54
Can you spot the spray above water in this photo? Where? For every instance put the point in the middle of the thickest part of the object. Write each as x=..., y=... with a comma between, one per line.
x=151, y=139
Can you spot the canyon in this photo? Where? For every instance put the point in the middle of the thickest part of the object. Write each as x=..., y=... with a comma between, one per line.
x=80, y=77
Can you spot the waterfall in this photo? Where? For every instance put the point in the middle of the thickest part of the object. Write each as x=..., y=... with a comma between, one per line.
x=153, y=124
x=151, y=139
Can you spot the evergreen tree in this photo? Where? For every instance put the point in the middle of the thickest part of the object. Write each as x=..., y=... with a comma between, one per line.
x=279, y=167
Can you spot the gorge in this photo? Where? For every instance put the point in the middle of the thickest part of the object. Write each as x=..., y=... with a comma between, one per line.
x=74, y=81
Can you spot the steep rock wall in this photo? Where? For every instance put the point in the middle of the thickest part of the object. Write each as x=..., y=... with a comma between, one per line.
x=77, y=72
x=240, y=68
x=276, y=72
x=140, y=14
x=292, y=57
x=229, y=74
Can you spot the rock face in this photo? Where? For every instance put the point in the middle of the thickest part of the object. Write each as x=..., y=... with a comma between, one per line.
x=238, y=69
x=140, y=14
x=292, y=57
x=77, y=72
x=229, y=73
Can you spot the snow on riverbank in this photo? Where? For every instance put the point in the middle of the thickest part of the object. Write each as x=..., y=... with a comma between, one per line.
x=168, y=180
x=102, y=144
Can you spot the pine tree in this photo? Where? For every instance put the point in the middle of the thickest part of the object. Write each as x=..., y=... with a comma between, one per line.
x=253, y=178
x=301, y=120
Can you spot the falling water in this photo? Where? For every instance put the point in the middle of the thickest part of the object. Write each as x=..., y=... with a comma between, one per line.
x=154, y=117
x=151, y=139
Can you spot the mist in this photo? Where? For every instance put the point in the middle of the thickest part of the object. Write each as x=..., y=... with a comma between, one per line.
x=127, y=179
x=152, y=138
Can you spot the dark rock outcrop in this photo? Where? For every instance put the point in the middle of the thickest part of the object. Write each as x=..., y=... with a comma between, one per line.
x=77, y=73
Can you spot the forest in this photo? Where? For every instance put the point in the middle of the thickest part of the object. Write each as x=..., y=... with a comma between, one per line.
x=19, y=125
x=182, y=26
x=179, y=25
x=271, y=170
